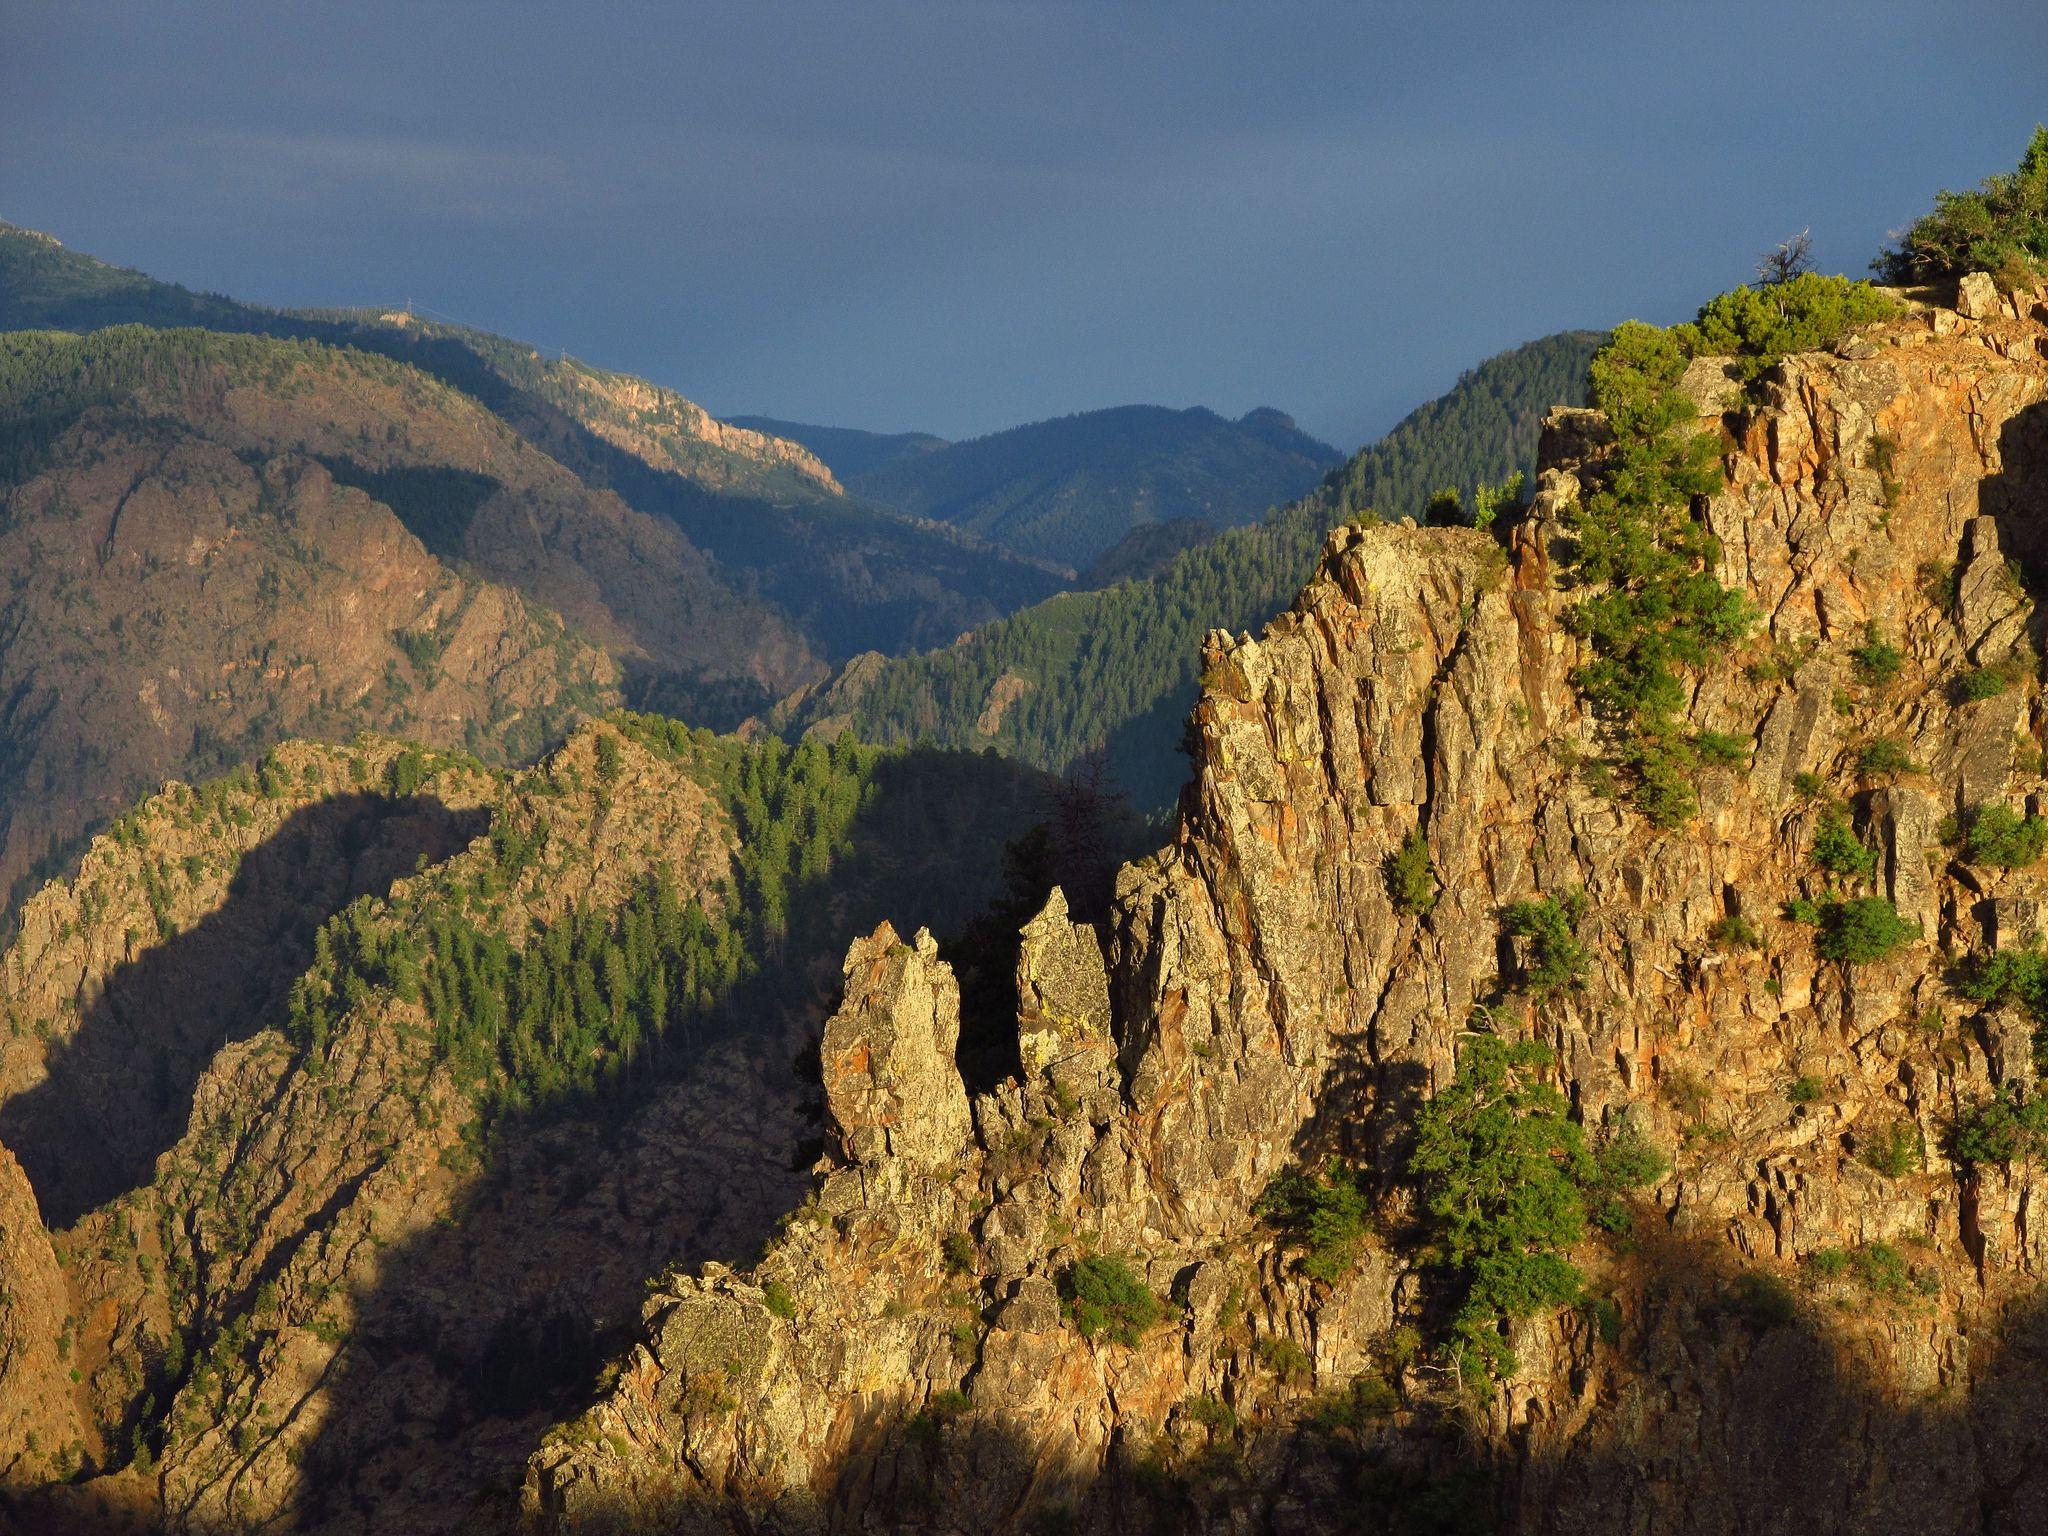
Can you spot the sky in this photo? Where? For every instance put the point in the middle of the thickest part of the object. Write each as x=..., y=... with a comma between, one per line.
x=953, y=215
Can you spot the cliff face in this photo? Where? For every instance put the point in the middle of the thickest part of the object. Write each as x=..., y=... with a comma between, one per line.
x=1800, y=1333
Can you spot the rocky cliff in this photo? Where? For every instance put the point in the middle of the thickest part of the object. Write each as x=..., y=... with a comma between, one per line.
x=1824, y=1314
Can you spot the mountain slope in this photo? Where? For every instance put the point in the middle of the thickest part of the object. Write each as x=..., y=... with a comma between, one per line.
x=1585, y=1175
x=213, y=541
x=1115, y=670
x=1068, y=489
x=847, y=451
x=852, y=576
x=364, y=1129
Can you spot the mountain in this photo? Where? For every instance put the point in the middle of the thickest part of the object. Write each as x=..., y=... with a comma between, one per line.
x=853, y=577
x=1446, y=1128
x=210, y=542
x=845, y=450
x=528, y=1036
x=1115, y=670
x=1434, y=1140
x=1146, y=551
x=1067, y=490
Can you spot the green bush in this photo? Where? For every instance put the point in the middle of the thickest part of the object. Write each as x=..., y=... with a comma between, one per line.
x=1326, y=1213
x=1810, y=785
x=1555, y=957
x=1626, y=1160
x=1411, y=878
x=1366, y=1399
x=1490, y=502
x=1735, y=932
x=2009, y=1127
x=1855, y=930
x=1803, y=1090
x=1838, y=850
x=1722, y=749
x=1445, y=509
x=1654, y=608
x=775, y=1296
x=1105, y=1298
x=1987, y=682
x=2000, y=836
x=1759, y=327
x=2018, y=975
x=1881, y=1270
x=1501, y=1167
x=1765, y=1300
x=1877, y=659
x=958, y=1251
x=1284, y=1358
x=1883, y=755
x=1893, y=1150
x=1213, y=1414
x=2001, y=228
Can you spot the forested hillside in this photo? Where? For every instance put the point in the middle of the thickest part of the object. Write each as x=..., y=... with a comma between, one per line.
x=851, y=576
x=1068, y=489
x=1116, y=669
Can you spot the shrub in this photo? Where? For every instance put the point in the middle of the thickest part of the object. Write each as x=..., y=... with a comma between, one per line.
x=1987, y=682
x=1367, y=1398
x=2006, y=1128
x=958, y=1252
x=1554, y=957
x=1838, y=850
x=1857, y=930
x=1723, y=749
x=775, y=1295
x=608, y=759
x=1213, y=1414
x=1764, y=1299
x=1626, y=1160
x=1490, y=501
x=1811, y=785
x=1881, y=1270
x=1759, y=327
x=1884, y=755
x=1658, y=610
x=1894, y=1150
x=1104, y=1297
x=2018, y=975
x=1828, y=1263
x=2001, y=227
x=1501, y=1167
x=1735, y=932
x=1327, y=1213
x=1284, y=1358
x=1411, y=878
x=1877, y=659
x=1999, y=836
x=1445, y=509
x=1803, y=1089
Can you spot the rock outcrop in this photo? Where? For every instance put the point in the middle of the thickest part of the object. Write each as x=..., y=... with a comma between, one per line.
x=1804, y=1331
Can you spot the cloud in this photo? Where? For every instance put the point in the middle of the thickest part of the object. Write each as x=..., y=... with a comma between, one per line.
x=329, y=174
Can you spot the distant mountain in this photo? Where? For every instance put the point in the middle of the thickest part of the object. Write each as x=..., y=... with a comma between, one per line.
x=1115, y=670
x=208, y=542
x=1145, y=551
x=846, y=451
x=853, y=577
x=1067, y=490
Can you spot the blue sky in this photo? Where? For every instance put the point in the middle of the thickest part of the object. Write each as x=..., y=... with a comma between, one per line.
x=953, y=216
